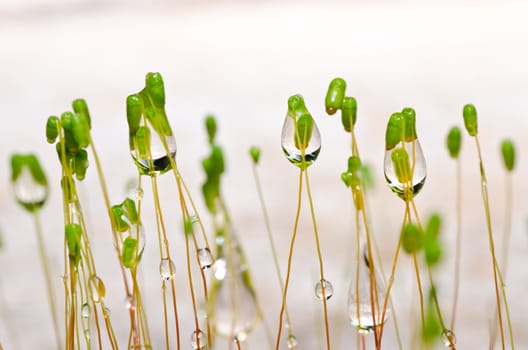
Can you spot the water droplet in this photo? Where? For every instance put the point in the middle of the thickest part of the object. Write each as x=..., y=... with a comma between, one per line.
x=139, y=194
x=160, y=161
x=167, y=269
x=448, y=338
x=130, y=302
x=107, y=313
x=97, y=289
x=292, y=342
x=292, y=152
x=198, y=340
x=133, y=233
x=206, y=258
x=85, y=310
x=29, y=193
x=417, y=165
x=328, y=290
x=359, y=300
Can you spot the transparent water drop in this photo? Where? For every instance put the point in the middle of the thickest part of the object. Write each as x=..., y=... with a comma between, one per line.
x=85, y=310
x=205, y=257
x=107, y=313
x=97, y=289
x=418, y=170
x=328, y=289
x=360, y=311
x=198, y=340
x=29, y=193
x=130, y=302
x=292, y=342
x=131, y=188
x=167, y=269
x=134, y=232
x=292, y=152
x=448, y=338
x=160, y=161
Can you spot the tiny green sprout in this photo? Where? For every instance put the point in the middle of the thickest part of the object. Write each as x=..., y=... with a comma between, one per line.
x=73, y=234
x=143, y=142
x=210, y=126
x=188, y=226
x=81, y=130
x=348, y=113
x=254, y=152
x=52, y=128
x=128, y=256
x=409, y=116
x=156, y=89
x=508, y=154
x=303, y=131
x=470, y=119
x=402, y=165
x=134, y=110
x=80, y=107
x=395, y=131
x=454, y=141
x=335, y=95
x=412, y=238
x=81, y=164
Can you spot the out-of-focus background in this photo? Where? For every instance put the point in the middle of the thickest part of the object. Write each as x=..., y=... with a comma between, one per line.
x=241, y=61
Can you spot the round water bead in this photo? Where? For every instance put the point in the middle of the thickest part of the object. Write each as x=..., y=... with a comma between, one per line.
x=167, y=269
x=198, y=340
x=448, y=338
x=417, y=168
x=292, y=342
x=160, y=162
x=328, y=289
x=205, y=257
x=97, y=289
x=29, y=193
x=292, y=152
x=130, y=302
x=85, y=310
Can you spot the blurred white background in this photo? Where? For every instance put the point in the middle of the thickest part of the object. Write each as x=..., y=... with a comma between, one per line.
x=241, y=61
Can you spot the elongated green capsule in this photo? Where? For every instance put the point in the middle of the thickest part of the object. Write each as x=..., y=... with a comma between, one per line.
x=508, y=154
x=118, y=213
x=210, y=126
x=254, y=152
x=454, y=141
x=129, y=208
x=433, y=250
x=134, y=110
x=354, y=164
x=409, y=116
x=348, y=113
x=35, y=169
x=412, y=238
x=470, y=119
x=128, y=256
x=335, y=95
x=80, y=107
x=67, y=125
x=52, y=129
x=81, y=164
x=156, y=89
x=395, y=131
x=81, y=130
x=210, y=192
x=402, y=165
x=73, y=234
x=188, y=226
x=217, y=160
x=431, y=327
x=143, y=142
x=17, y=162
x=296, y=106
x=433, y=226
x=303, y=131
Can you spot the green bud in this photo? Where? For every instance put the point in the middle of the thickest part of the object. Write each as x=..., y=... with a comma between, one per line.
x=470, y=119
x=188, y=226
x=433, y=250
x=402, y=166
x=52, y=128
x=129, y=208
x=346, y=177
x=254, y=152
x=156, y=89
x=508, y=154
x=81, y=164
x=143, y=142
x=454, y=141
x=296, y=105
x=217, y=160
x=80, y=107
x=210, y=125
x=395, y=131
x=81, y=130
x=433, y=226
x=334, y=96
x=210, y=192
x=432, y=328
x=354, y=164
x=17, y=162
x=128, y=257
x=36, y=170
x=348, y=113
x=303, y=131
x=67, y=125
x=119, y=218
x=134, y=109
x=412, y=238
x=73, y=233
x=409, y=116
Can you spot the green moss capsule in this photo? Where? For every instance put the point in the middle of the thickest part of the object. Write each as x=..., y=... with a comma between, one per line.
x=402, y=165
x=17, y=162
x=395, y=131
x=130, y=211
x=81, y=164
x=188, y=226
x=470, y=119
x=143, y=142
x=354, y=164
x=409, y=116
x=454, y=141
x=129, y=252
x=80, y=107
x=134, y=110
x=254, y=152
x=348, y=113
x=412, y=238
x=210, y=126
x=335, y=95
x=303, y=131
x=508, y=154
x=156, y=89
x=81, y=130
x=52, y=129
x=73, y=233
x=119, y=218
x=296, y=106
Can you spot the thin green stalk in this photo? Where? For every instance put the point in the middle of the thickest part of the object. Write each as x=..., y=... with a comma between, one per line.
x=458, y=242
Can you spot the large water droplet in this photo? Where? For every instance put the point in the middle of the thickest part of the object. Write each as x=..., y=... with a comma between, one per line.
x=198, y=340
x=85, y=310
x=160, y=161
x=360, y=304
x=292, y=342
x=97, y=289
x=167, y=269
x=417, y=165
x=292, y=152
x=206, y=258
x=448, y=338
x=324, y=289
x=29, y=193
